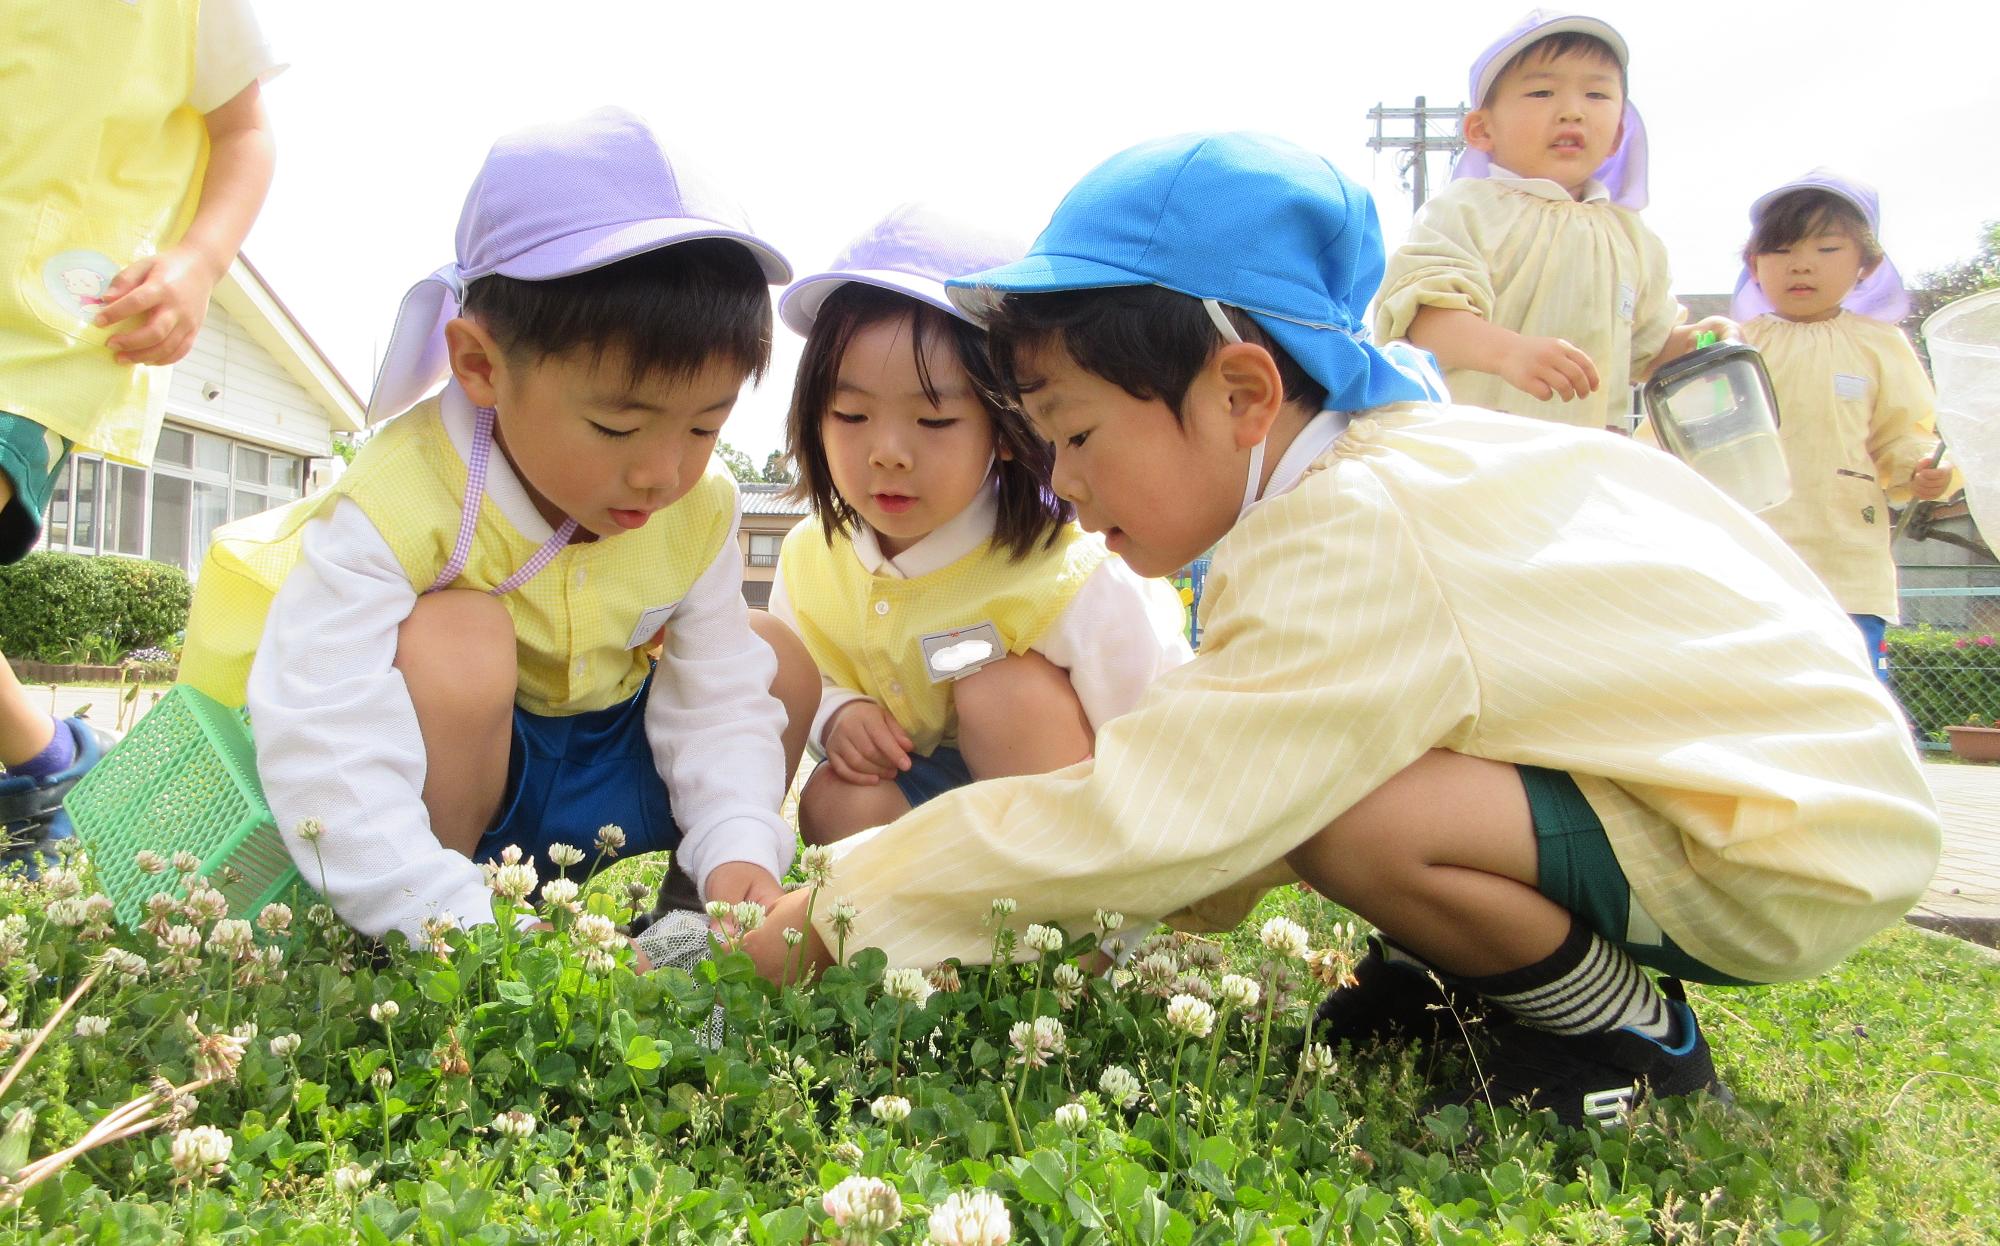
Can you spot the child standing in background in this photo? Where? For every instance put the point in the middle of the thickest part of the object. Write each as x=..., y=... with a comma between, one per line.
x=1531, y=278
x=1821, y=301
x=964, y=627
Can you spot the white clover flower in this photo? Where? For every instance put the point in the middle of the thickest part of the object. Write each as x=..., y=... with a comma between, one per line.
x=1156, y=969
x=890, y=1109
x=435, y=931
x=1107, y=921
x=149, y=862
x=863, y=1208
x=1118, y=1085
x=848, y=1152
x=275, y=919
x=1072, y=1117
x=1043, y=939
x=1285, y=937
x=92, y=1026
x=511, y=855
x=231, y=936
x=597, y=962
x=1036, y=1042
x=382, y=1078
x=67, y=912
x=385, y=1013
x=285, y=1046
x=1240, y=992
x=747, y=914
x=942, y=976
x=1067, y=977
x=201, y=1149
x=596, y=931
x=127, y=967
x=816, y=863
x=61, y=884
x=610, y=839
x=322, y=915
x=566, y=855
x=162, y=907
x=1202, y=955
x=514, y=881
x=971, y=1218
x=907, y=986
x=842, y=916
x=205, y=904
x=186, y=862
x=1192, y=1017
x=718, y=910
x=181, y=940
x=794, y=936
x=1317, y=1060
x=308, y=830
x=514, y=1124
x=1002, y=909
x=351, y=1178
x=560, y=893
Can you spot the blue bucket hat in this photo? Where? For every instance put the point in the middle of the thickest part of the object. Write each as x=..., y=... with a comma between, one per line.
x=1245, y=220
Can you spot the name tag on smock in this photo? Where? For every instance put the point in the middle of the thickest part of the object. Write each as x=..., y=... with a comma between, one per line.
x=1628, y=302
x=1849, y=386
x=961, y=651
x=650, y=622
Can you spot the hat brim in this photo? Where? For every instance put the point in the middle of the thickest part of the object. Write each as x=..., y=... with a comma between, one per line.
x=1572, y=24
x=590, y=249
x=799, y=306
x=1764, y=201
x=977, y=295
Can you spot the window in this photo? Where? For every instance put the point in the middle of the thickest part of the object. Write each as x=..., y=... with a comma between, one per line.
x=198, y=482
x=764, y=549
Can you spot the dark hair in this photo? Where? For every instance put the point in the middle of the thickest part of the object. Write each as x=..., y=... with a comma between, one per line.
x=1567, y=43
x=672, y=311
x=1030, y=511
x=1149, y=341
x=1800, y=214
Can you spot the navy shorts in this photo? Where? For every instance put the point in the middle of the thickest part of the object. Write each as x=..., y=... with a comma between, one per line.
x=568, y=776
x=932, y=776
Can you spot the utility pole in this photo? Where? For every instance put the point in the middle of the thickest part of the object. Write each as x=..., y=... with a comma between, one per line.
x=1413, y=159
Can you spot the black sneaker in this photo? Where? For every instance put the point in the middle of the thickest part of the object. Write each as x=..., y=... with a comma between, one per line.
x=1392, y=1001
x=1593, y=1077
x=32, y=818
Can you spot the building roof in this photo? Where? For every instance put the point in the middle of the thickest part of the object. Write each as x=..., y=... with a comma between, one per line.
x=272, y=326
x=765, y=499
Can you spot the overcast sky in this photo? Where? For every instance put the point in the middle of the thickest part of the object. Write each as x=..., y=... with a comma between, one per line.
x=820, y=117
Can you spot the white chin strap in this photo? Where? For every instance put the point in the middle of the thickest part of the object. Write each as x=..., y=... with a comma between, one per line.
x=1229, y=334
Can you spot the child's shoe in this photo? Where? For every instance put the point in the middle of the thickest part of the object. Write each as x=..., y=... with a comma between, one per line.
x=1593, y=1077
x=32, y=818
x=1395, y=1001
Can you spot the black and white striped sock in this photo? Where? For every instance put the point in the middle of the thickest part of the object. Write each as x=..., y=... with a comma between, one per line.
x=1586, y=986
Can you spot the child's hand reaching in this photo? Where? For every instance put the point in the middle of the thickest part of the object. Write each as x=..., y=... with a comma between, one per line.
x=1929, y=483
x=733, y=882
x=865, y=744
x=1548, y=367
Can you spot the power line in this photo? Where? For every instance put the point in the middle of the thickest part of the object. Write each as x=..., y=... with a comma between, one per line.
x=1414, y=149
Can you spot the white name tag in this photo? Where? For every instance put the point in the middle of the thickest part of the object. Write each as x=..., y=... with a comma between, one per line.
x=961, y=651
x=650, y=623
x=1628, y=302
x=1846, y=386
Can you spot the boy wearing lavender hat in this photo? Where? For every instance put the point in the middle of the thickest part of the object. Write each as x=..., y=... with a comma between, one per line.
x=446, y=655
x=1531, y=277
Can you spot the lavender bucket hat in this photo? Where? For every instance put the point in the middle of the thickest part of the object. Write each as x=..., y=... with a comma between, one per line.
x=1623, y=172
x=553, y=201
x=1879, y=296
x=913, y=251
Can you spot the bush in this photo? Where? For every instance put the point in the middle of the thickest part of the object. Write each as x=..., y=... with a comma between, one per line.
x=49, y=603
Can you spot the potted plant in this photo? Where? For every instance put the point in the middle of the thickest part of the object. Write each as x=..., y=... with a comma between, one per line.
x=1977, y=739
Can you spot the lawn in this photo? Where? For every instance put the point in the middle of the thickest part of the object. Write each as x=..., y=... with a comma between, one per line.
x=499, y=1087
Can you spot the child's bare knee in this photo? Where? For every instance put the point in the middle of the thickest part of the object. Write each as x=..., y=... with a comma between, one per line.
x=830, y=809
x=1014, y=691
x=797, y=683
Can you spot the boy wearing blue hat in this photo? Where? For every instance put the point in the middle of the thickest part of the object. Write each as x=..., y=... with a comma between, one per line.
x=445, y=656
x=1718, y=790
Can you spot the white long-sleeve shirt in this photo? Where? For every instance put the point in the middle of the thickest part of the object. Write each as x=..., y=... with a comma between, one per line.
x=1113, y=639
x=337, y=735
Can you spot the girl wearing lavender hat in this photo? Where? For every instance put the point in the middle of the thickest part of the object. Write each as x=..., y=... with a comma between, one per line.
x=965, y=628
x=1820, y=299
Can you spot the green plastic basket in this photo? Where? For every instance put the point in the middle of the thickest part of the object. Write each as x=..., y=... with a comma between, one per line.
x=184, y=780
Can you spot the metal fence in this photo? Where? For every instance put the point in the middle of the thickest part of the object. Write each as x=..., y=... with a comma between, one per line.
x=1944, y=659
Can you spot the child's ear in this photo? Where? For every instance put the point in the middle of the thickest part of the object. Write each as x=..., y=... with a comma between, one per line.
x=1255, y=391
x=476, y=360
x=1479, y=130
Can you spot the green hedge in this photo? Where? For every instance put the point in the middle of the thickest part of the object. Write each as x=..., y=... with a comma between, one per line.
x=50, y=602
x=1944, y=677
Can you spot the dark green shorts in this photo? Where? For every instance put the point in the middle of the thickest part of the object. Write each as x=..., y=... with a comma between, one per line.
x=31, y=457
x=1578, y=870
